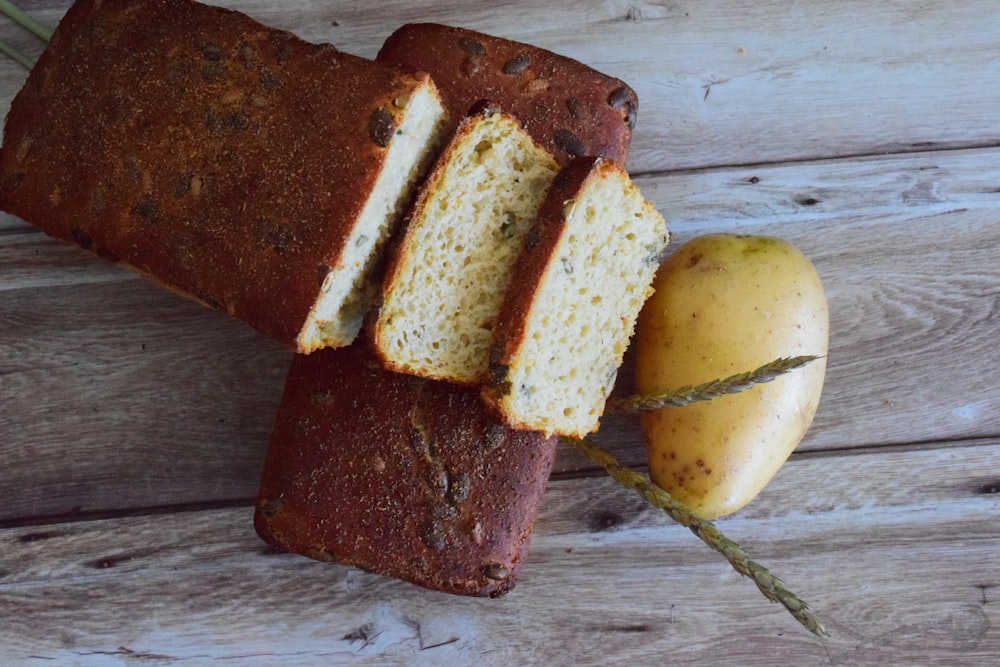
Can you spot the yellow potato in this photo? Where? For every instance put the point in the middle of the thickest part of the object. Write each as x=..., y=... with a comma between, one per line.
x=726, y=304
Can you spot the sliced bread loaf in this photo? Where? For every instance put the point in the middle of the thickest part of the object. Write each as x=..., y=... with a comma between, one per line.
x=443, y=287
x=570, y=309
x=232, y=162
x=410, y=477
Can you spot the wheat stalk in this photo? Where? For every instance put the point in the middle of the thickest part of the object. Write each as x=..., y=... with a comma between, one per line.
x=709, y=390
x=25, y=21
x=772, y=587
x=29, y=24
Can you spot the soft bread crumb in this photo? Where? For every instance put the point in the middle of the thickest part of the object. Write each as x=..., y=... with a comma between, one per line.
x=349, y=288
x=560, y=371
x=440, y=304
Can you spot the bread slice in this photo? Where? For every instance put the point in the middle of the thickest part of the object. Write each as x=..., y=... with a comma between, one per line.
x=569, y=108
x=444, y=284
x=570, y=310
x=403, y=476
x=234, y=163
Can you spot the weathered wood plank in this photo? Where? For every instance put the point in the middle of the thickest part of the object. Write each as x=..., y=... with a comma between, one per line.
x=900, y=572
x=726, y=82
x=116, y=397
x=151, y=399
x=905, y=246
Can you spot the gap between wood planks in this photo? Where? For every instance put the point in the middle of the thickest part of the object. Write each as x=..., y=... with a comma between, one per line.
x=589, y=472
x=921, y=148
x=819, y=453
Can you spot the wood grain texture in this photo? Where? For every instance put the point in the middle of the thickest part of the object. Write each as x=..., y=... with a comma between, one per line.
x=95, y=360
x=723, y=82
x=133, y=423
x=899, y=571
x=118, y=394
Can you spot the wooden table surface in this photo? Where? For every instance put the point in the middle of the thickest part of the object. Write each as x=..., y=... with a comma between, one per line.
x=133, y=423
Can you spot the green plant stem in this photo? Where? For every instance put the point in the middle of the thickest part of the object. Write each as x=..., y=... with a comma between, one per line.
x=14, y=54
x=710, y=390
x=768, y=583
x=25, y=21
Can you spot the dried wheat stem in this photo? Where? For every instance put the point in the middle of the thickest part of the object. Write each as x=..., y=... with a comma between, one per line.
x=25, y=21
x=710, y=390
x=768, y=583
x=16, y=55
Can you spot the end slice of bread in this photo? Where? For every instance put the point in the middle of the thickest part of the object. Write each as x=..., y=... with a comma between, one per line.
x=442, y=291
x=237, y=165
x=413, y=136
x=570, y=311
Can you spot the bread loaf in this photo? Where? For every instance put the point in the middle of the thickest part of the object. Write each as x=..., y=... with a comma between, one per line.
x=444, y=284
x=234, y=163
x=411, y=477
x=399, y=475
x=570, y=310
x=569, y=108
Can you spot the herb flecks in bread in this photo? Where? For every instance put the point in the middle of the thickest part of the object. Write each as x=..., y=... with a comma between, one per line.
x=442, y=292
x=570, y=312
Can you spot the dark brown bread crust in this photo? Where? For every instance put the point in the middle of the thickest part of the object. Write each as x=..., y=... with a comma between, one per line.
x=532, y=263
x=568, y=107
x=356, y=436
x=399, y=475
x=222, y=158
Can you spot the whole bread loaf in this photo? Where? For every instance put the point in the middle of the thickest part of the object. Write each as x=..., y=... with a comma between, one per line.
x=234, y=163
x=570, y=309
x=447, y=275
x=569, y=108
x=399, y=475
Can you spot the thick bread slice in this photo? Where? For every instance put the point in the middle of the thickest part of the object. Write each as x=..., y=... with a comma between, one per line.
x=399, y=475
x=570, y=310
x=568, y=107
x=444, y=284
x=234, y=163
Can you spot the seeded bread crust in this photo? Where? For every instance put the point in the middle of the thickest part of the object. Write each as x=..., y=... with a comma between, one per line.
x=568, y=107
x=399, y=475
x=227, y=160
x=375, y=413
x=547, y=254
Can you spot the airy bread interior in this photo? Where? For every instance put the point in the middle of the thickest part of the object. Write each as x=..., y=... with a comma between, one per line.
x=440, y=304
x=584, y=310
x=349, y=287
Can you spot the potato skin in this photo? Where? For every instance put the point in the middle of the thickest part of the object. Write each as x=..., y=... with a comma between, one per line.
x=727, y=304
